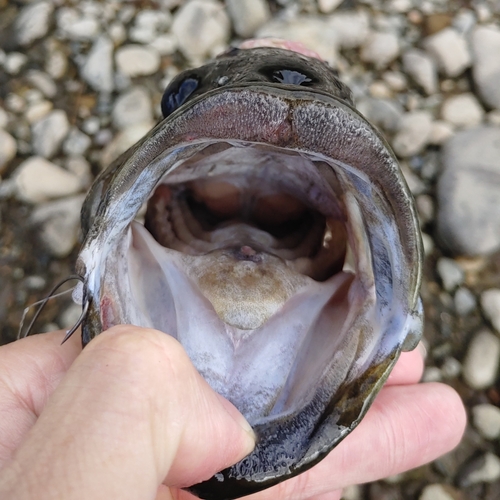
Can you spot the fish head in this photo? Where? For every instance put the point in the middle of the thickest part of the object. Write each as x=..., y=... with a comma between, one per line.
x=267, y=226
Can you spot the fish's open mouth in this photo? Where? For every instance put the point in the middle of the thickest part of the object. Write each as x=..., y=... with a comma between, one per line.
x=245, y=267
x=278, y=245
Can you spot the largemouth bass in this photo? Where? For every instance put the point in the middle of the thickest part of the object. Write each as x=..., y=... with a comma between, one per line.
x=280, y=245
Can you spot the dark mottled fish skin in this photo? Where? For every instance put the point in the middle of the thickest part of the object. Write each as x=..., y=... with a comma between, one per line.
x=322, y=424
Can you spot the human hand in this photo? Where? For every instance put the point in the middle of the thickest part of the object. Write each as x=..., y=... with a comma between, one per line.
x=132, y=416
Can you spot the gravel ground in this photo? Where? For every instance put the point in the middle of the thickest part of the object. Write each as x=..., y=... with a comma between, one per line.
x=82, y=81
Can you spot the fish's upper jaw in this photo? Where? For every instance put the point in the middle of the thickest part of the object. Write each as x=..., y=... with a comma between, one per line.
x=214, y=175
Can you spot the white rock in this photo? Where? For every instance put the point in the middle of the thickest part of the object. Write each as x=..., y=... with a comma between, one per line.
x=465, y=301
x=450, y=50
x=70, y=315
x=123, y=140
x=8, y=148
x=396, y=80
x=80, y=167
x=352, y=492
x=414, y=133
x=435, y=492
x=488, y=473
x=248, y=15
x=313, y=32
x=37, y=180
x=132, y=108
x=117, y=33
x=165, y=44
x=384, y=113
x=351, y=28
x=327, y=6
x=462, y=110
x=97, y=70
x=136, y=60
x=14, y=62
x=37, y=111
x=486, y=419
x=42, y=82
x=481, y=360
x=56, y=63
x=59, y=224
x=77, y=143
x=201, y=26
x=422, y=69
x=33, y=22
x=76, y=26
x=450, y=272
x=380, y=49
x=451, y=368
x=49, y=132
x=148, y=24
x=486, y=68
x=441, y=131
x=490, y=303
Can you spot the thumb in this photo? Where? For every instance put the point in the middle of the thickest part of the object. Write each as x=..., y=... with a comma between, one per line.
x=132, y=412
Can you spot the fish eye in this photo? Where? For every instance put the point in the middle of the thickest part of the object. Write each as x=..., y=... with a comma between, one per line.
x=290, y=77
x=177, y=94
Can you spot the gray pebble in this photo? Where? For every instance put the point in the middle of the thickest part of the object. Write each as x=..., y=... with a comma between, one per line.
x=384, y=113
x=14, y=62
x=422, y=68
x=248, y=15
x=77, y=143
x=435, y=492
x=450, y=50
x=42, y=82
x=462, y=110
x=468, y=219
x=8, y=149
x=464, y=301
x=351, y=28
x=201, y=27
x=37, y=180
x=70, y=316
x=451, y=368
x=441, y=131
x=486, y=68
x=486, y=419
x=33, y=22
x=490, y=304
x=136, y=60
x=450, y=272
x=75, y=26
x=97, y=69
x=380, y=49
x=59, y=224
x=132, y=107
x=414, y=133
x=480, y=366
x=49, y=133
x=488, y=472
x=148, y=24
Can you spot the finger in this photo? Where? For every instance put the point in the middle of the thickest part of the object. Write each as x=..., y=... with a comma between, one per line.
x=30, y=370
x=408, y=369
x=405, y=428
x=131, y=409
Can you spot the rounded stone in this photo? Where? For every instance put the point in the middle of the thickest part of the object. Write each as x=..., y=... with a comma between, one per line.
x=488, y=472
x=132, y=107
x=451, y=51
x=486, y=419
x=450, y=272
x=464, y=301
x=201, y=26
x=468, y=218
x=248, y=15
x=480, y=366
x=49, y=133
x=380, y=49
x=8, y=149
x=435, y=492
x=97, y=69
x=414, y=133
x=37, y=180
x=136, y=60
x=463, y=110
x=33, y=22
x=422, y=68
x=486, y=67
x=490, y=304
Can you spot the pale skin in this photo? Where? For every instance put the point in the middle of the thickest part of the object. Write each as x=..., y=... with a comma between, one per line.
x=130, y=418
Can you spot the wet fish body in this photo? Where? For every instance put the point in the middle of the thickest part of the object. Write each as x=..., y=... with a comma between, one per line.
x=280, y=246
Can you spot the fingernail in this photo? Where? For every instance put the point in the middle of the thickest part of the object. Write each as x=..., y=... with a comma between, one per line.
x=422, y=349
x=241, y=421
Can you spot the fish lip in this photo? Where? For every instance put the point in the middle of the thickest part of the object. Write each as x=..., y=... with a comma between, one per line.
x=309, y=97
